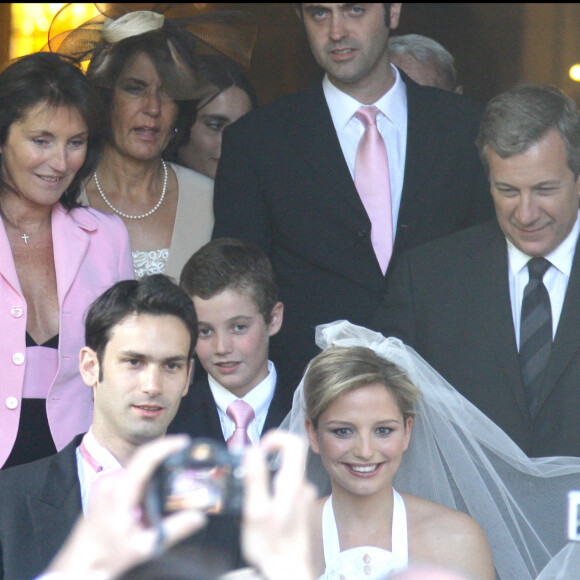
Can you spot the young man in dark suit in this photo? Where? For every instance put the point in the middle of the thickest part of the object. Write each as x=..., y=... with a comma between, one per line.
x=475, y=305
x=140, y=339
x=232, y=286
x=286, y=177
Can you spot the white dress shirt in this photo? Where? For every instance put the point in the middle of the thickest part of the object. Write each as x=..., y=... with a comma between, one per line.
x=259, y=398
x=555, y=279
x=86, y=471
x=392, y=124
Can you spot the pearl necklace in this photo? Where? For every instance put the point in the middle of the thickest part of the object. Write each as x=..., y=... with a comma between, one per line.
x=135, y=217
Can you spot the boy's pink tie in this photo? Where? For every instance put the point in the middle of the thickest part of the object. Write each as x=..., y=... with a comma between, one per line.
x=241, y=414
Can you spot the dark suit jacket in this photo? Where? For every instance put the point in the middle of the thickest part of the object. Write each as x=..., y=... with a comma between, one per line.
x=283, y=183
x=41, y=501
x=198, y=414
x=450, y=301
x=39, y=504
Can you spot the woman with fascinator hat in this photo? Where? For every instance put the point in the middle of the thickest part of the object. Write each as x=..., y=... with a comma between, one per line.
x=143, y=65
x=369, y=439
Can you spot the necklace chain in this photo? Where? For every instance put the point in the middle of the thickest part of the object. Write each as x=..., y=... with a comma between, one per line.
x=135, y=217
x=23, y=235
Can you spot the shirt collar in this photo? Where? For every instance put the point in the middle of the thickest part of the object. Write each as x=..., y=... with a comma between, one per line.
x=561, y=258
x=259, y=397
x=100, y=454
x=393, y=104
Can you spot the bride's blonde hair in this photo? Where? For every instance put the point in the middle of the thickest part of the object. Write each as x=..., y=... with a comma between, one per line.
x=339, y=370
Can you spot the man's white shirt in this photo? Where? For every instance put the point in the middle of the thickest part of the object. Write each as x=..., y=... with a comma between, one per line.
x=555, y=279
x=392, y=124
x=259, y=398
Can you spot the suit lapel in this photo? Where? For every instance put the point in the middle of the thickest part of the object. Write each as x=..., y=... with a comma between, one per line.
x=198, y=415
x=487, y=286
x=211, y=421
x=7, y=267
x=316, y=140
x=57, y=507
x=276, y=411
x=422, y=145
x=567, y=340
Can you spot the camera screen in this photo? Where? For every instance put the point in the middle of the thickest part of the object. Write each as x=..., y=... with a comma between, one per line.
x=202, y=487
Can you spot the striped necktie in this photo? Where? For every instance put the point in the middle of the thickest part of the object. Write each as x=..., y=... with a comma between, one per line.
x=535, y=331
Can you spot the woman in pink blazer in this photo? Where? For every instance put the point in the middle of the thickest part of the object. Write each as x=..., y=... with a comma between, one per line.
x=55, y=257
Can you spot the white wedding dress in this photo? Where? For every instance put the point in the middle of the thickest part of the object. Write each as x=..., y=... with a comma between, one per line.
x=364, y=562
x=459, y=458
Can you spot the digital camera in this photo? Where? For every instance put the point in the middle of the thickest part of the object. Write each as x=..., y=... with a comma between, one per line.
x=206, y=475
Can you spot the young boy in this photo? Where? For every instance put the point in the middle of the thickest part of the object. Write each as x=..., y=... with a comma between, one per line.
x=232, y=286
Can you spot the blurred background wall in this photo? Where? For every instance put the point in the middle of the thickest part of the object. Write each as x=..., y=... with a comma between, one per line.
x=495, y=44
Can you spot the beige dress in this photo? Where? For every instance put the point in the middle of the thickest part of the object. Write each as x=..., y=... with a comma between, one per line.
x=192, y=229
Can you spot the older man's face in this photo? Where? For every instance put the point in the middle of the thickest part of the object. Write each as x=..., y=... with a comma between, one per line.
x=535, y=195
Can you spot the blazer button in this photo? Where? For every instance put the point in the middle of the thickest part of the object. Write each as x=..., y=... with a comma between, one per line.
x=17, y=311
x=18, y=358
x=12, y=402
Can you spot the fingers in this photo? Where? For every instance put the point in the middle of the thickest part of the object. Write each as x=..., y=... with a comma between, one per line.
x=144, y=462
x=293, y=449
x=275, y=533
x=256, y=483
x=180, y=525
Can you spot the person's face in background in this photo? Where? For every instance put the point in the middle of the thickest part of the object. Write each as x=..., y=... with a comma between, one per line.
x=203, y=150
x=350, y=42
x=43, y=151
x=425, y=74
x=234, y=338
x=143, y=115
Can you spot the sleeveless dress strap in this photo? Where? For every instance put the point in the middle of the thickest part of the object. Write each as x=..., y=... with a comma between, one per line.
x=330, y=541
x=399, y=534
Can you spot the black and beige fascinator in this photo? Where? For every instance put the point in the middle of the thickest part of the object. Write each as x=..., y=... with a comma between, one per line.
x=178, y=33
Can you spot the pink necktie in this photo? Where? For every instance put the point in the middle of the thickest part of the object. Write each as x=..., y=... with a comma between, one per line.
x=371, y=178
x=241, y=414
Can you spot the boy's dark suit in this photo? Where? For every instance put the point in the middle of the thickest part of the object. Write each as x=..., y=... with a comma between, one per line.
x=283, y=183
x=198, y=415
x=39, y=505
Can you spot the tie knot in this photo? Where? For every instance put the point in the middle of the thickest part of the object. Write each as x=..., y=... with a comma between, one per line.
x=537, y=267
x=367, y=115
x=240, y=413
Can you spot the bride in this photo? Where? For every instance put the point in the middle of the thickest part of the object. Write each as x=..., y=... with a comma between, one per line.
x=359, y=410
x=361, y=425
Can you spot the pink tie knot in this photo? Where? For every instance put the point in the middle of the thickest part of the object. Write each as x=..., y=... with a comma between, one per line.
x=367, y=115
x=242, y=415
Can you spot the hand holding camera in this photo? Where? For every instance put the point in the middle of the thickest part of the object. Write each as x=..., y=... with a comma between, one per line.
x=114, y=535
x=117, y=534
x=276, y=512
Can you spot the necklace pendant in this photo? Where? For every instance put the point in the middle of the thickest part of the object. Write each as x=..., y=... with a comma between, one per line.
x=25, y=238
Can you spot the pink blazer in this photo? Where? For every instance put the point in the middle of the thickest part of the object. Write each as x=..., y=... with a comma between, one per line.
x=91, y=253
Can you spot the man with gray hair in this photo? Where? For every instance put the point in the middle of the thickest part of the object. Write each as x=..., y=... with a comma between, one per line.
x=426, y=61
x=496, y=308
